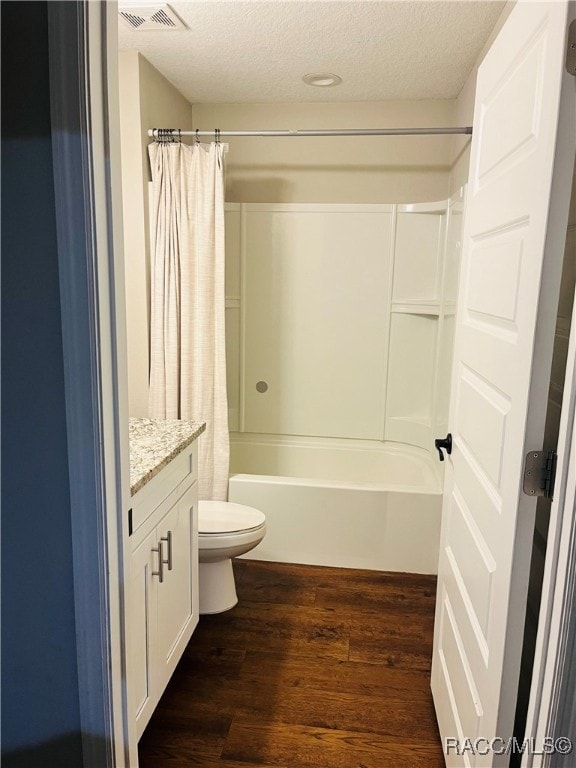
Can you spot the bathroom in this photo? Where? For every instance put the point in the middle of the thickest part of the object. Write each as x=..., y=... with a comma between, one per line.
x=327, y=413
x=66, y=495
x=404, y=197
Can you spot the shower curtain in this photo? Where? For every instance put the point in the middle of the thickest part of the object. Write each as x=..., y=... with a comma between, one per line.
x=187, y=341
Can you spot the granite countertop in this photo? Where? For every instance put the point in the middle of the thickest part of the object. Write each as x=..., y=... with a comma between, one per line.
x=154, y=443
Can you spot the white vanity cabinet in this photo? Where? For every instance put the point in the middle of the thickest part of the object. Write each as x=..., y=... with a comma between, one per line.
x=163, y=604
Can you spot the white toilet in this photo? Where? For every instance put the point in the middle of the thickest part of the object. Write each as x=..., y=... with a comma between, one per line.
x=225, y=530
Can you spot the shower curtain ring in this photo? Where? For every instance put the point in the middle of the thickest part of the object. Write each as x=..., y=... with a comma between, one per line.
x=217, y=135
x=197, y=137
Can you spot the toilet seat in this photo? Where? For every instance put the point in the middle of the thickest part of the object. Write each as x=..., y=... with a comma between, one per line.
x=221, y=518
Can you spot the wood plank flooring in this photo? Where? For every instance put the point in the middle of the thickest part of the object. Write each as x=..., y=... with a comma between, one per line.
x=314, y=668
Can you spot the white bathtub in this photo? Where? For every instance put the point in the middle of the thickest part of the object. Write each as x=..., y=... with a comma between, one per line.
x=330, y=503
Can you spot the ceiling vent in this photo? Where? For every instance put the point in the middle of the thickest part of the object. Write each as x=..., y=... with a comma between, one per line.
x=147, y=17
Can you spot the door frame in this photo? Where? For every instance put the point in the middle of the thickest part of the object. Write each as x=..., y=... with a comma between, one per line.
x=82, y=39
x=556, y=630
x=87, y=168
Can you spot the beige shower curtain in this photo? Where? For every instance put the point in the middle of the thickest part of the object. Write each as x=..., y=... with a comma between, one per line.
x=187, y=347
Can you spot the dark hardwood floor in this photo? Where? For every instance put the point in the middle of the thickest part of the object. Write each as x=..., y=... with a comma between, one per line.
x=314, y=668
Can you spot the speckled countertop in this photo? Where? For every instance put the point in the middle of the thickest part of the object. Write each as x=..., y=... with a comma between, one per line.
x=154, y=443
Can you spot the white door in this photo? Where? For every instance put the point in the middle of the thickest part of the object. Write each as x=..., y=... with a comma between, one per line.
x=506, y=316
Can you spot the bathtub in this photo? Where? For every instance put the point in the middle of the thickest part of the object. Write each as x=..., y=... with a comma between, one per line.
x=341, y=503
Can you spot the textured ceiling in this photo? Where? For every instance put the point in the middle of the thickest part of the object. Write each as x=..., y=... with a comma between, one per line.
x=237, y=51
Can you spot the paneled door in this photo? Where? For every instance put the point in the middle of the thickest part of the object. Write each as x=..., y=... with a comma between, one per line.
x=515, y=224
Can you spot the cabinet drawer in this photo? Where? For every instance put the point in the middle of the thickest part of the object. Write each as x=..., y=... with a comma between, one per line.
x=169, y=482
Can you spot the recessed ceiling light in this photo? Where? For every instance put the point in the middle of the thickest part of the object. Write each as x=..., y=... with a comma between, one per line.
x=322, y=79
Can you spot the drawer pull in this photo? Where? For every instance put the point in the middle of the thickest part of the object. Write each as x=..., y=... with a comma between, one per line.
x=168, y=540
x=160, y=571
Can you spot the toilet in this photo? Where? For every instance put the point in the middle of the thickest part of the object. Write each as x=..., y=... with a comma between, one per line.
x=225, y=530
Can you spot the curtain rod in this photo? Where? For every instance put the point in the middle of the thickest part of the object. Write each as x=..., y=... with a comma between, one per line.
x=153, y=132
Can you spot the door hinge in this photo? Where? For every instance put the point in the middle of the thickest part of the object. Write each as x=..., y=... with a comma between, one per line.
x=571, y=49
x=540, y=473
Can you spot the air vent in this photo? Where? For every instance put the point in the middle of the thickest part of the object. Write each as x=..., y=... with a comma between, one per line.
x=147, y=17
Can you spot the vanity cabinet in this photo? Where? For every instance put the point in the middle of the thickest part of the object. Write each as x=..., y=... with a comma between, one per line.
x=164, y=580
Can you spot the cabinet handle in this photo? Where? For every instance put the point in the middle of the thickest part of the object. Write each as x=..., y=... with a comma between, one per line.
x=160, y=571
x=168, y=540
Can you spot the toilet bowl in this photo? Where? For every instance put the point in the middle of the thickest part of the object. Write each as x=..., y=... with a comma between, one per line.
x=225, y=530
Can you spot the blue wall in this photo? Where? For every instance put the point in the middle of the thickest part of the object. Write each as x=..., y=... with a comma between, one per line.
x=40, y=708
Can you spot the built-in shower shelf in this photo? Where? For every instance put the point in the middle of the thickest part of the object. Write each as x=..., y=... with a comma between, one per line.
x=416, y=308
x=432, y=308
x=421, y=420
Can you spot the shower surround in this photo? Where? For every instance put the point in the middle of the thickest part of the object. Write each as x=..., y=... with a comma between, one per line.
x=339, y=322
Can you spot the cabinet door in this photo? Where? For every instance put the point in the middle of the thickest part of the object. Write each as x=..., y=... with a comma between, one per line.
x=178, y=594
x=143, y=630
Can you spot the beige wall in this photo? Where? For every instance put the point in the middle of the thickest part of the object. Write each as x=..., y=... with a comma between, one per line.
x=334, y=170
x=147, y=100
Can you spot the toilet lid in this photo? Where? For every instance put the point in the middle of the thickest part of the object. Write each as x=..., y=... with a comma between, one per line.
x=227, y=517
